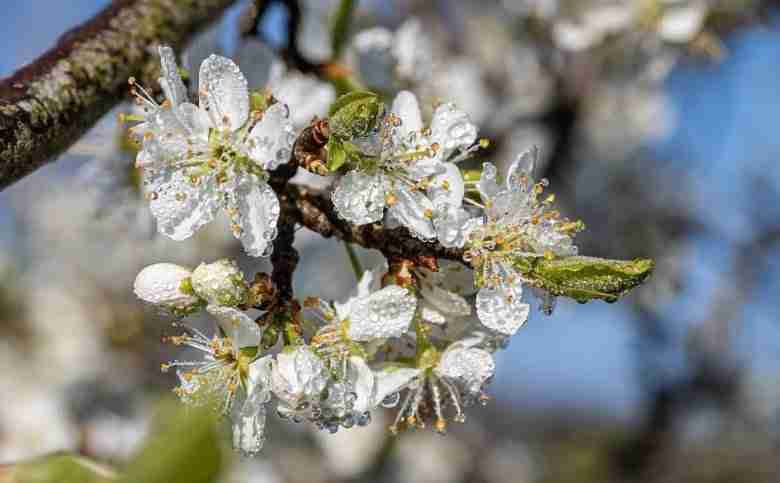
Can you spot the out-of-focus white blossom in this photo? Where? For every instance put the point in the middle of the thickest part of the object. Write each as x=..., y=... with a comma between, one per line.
x=385, y=59
x=306, y=96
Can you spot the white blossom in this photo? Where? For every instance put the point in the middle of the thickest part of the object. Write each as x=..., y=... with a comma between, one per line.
x=200, y=158
x=230, y=376
x=455, y=377
x=517, y=223
x=414, y=177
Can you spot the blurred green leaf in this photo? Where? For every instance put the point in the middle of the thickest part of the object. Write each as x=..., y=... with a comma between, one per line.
x=342, y=19
x=184, y=448
x=57, y=468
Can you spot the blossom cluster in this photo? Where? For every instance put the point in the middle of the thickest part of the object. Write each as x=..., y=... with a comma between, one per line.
x=416, y=335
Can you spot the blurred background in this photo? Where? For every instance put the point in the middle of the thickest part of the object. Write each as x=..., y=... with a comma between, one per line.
x=659, y=131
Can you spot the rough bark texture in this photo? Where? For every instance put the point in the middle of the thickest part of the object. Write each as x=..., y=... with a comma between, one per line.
x=47, y=105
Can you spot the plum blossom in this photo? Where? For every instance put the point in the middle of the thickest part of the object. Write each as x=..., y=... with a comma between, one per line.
x=517, y=223
x=459, y=374
x=230, y=376
x=369, y=313
x=413, y=172
x=197, y=159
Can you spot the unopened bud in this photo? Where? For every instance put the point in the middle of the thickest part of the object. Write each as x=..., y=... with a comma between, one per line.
x=220, y=283
x=167, y=286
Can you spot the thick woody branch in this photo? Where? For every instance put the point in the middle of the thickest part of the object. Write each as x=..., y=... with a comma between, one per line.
x=47, y=105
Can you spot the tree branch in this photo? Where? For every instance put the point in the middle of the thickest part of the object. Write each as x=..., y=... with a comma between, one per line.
x=47, y=105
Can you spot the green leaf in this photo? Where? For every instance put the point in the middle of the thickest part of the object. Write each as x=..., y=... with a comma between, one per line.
x=585, y=278
x=57, y=468
x=185, y=448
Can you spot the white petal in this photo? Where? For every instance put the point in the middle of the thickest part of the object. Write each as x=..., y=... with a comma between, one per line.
x=470, y=366
x=363, y=288
x=488, y=182
x=453, y=225
x=255, y=212
x=391, y=380
x=414, y=211
x=361, y=382
x=271, y=140
x=242, y=330
x=360, y=198
x=179, y=206
x=424, y=168
x=249, y=421
x=452, y=129
x=501, y=309
x=170, y=81
x=431, y=314
x=383, y=314
x=453, y=276
x=406, y=107
x=259, y=373
x=197, y=123
x=223, y=92
x=522, y=167
x=298, y=375
x=445, y=301
x=447, y=186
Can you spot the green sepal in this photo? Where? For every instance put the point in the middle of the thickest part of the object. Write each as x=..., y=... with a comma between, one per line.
x=585, y=278
x=337, y=155
x=184, y=74
x=270, y=336
x=258, y=101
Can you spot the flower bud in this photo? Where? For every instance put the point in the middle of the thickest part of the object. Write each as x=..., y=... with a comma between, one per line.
x=220, y=283
x=167, y=286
